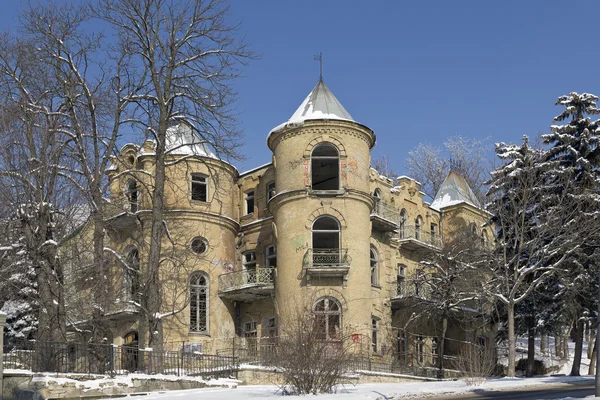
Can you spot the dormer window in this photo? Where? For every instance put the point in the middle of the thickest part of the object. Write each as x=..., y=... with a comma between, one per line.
x=325, y=167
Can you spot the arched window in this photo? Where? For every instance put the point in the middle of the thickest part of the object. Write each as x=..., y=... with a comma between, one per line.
x=377, y=194
x=374, y=266
x=325, y=167
x=326, y=241
x=403, y=219
x=401, y=282
x=199, y=303
x=418, y=227
x=132, y=274
x=326, y=233
x=473, y=228
x=484, y=238
x=328, y=318
x=132, y=193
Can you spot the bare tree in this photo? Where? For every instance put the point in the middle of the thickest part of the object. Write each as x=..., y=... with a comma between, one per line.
x=449, y=287
x=31, y=185
x=182, y=57
x=429, y=164
x=384, y=166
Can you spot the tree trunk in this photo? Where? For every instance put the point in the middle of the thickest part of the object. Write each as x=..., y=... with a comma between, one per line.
x=578, y=335
x=592, y=337
x=100, y=289
x=530, y=347
x=511, y=340
x=441, y=348
x=592, y=369
x=558, y=346
x=543, y=339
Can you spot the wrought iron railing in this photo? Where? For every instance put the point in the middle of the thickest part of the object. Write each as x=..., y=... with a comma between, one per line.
x=326, y=258
x=412, y=288
x=246, y=278
x=88, y=358
x=385, y=211
x=412, y=232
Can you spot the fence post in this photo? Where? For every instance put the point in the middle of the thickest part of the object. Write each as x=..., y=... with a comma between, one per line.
x=2, y=323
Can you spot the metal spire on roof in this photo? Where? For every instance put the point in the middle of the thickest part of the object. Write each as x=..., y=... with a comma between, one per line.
x=319, y=58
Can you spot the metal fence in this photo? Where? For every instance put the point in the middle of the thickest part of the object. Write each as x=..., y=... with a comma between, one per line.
x=326, y=258
x=407, y=232
x=248, y=277
x=85, y=358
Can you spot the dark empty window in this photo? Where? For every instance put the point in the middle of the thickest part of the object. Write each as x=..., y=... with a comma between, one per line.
x=199, y=245
x=325, y=167
x=132, y=276
x=270, y=190
x=271, y=257
x=199, y=188
x=326, y=233
x=249, y=202
x=132, y=193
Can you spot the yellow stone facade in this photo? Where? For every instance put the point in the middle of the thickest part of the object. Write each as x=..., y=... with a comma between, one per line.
x=271, y=242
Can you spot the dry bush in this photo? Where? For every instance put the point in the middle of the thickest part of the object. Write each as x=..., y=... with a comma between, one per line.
x=308, y=361
x=476, y=363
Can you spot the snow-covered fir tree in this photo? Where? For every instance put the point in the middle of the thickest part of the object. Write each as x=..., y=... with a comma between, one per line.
x=574, y=154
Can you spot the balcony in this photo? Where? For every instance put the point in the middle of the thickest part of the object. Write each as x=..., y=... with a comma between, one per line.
x=247, y=285
x=411, y=238
x=384, y=217
x=408, y=291
x=327, y=263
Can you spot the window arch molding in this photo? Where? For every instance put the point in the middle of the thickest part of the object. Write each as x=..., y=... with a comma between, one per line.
x=331, y=140
x=326, y=211
x=199, y=290
x=328, y=315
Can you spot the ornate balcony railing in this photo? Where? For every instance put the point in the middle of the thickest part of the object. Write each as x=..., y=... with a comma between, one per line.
x=411, y=288
x=407, y=233
x=326, y=258
x=385, y=211
x=246, y=279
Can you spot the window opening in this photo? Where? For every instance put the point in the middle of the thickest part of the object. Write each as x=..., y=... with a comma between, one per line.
x=328, y=319
x=418, y=225
x=133, y=274
x=420, y=347
x=199, y=303
x=199, y=245
x=374, y=266
x=402, y=227
x=270, y=190
x=326, y=241
x=401, y=279
x=374, y=338
x=271, y=257
x=199, y=187
x=132, y=194
x=325, y=168
x=249, y=265
x=249, y=202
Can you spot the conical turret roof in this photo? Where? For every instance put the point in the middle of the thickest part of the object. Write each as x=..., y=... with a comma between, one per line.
x=454, y=190
x=319, y=104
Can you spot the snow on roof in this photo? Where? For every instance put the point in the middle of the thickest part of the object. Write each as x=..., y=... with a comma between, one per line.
x=454, y=190
x=319, y=104
x=181, y=140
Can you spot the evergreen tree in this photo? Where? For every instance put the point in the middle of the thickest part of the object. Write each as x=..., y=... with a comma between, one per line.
x=574, y=154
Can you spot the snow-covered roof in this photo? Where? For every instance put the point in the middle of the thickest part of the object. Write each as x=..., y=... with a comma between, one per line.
x=319, y=104
x=454, y=190
x=181, y=140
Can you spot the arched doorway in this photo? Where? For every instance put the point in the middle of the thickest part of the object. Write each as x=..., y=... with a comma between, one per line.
x=129, y=351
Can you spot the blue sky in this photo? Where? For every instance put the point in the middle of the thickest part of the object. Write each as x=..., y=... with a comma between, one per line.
x=413, y=71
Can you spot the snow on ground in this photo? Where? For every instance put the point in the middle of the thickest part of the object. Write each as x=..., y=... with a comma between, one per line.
x=369, y=391
x=407, y=390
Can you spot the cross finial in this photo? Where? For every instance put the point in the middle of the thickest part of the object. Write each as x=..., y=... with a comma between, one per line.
x=319, y=58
